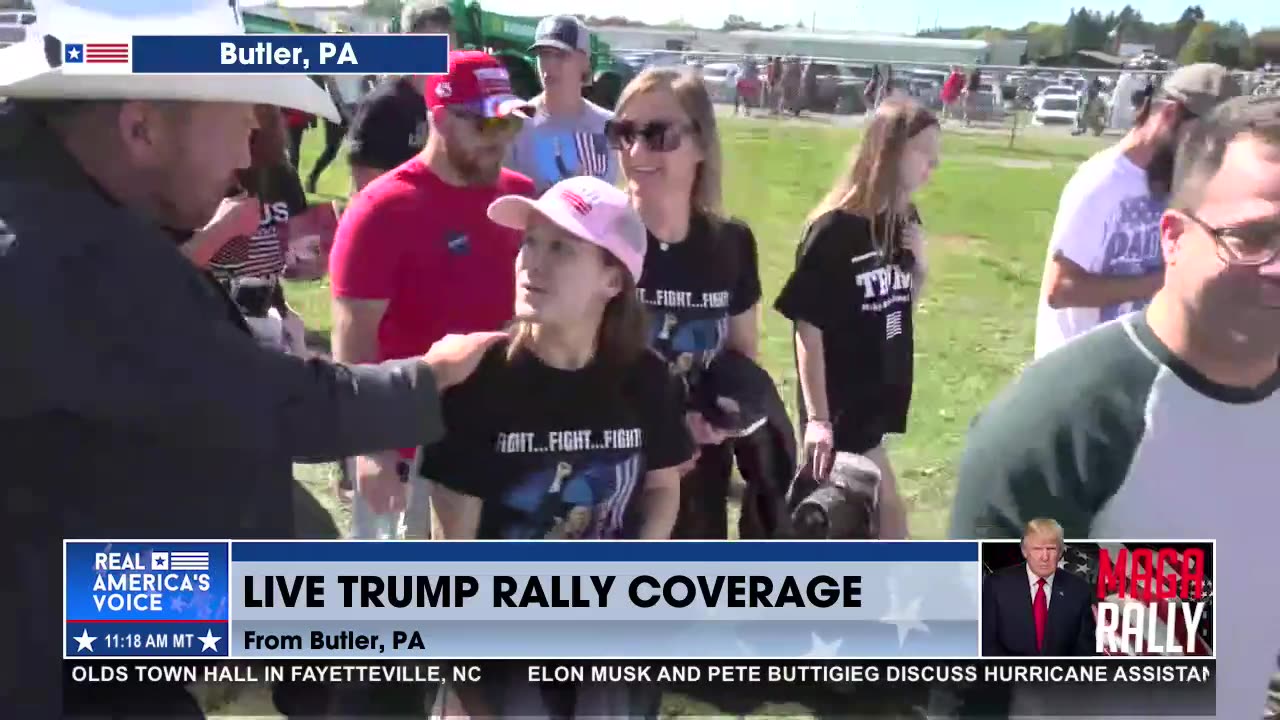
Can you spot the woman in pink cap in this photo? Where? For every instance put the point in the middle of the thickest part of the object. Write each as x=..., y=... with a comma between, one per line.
x=572, y=428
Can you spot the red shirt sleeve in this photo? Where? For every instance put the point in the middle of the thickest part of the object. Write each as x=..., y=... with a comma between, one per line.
x=517, y=184
x=367, y=249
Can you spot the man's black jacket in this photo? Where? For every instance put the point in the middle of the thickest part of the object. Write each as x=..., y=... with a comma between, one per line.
x=133, y=407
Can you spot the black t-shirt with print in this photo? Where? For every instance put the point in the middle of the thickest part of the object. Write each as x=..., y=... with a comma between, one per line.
x=692, y=288
x=861, y=301
x=557, y=454
x=390, y=126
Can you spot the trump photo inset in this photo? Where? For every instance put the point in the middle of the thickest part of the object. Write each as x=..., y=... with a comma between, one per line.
x=1032, y=604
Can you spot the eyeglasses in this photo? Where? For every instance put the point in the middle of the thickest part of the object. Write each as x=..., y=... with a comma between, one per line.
x=1251, y=244
x=657, y=135
x=489, y=125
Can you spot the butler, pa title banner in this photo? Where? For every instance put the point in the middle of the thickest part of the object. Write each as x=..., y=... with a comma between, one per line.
x=269, y=54
x=580, y=599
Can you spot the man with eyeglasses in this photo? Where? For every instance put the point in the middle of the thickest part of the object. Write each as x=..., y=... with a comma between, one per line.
x=1104, y=253
x=1164, y=424
x=415, y=257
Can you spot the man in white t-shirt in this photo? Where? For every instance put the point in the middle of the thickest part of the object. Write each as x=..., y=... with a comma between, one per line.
x=565, y=137
x=1104, y=256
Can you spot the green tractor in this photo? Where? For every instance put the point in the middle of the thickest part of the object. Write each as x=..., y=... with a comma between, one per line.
x=508, y=38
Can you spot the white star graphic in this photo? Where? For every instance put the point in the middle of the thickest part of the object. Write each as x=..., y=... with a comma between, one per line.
x=820, y=649
x=73, y=53
x=84, y=641
x=971, y=582
x=906, y=618
x=209, y=641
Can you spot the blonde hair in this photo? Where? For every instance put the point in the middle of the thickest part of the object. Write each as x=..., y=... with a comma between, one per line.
x=1043, y=526
x=872, y=182
x=691, y=94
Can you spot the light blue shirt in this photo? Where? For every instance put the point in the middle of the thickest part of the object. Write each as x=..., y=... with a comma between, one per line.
x=550, y=149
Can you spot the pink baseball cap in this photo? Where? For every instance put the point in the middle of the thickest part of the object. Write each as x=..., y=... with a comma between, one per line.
x=588, y=208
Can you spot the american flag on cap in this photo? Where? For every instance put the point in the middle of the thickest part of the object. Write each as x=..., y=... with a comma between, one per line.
x=576, y=201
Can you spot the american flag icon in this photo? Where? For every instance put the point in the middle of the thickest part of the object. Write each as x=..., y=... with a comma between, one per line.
x=576, y=201
x=96, y=53
x=893, y=325
x=593, y=153
x=188, y=561
x=1083, y=561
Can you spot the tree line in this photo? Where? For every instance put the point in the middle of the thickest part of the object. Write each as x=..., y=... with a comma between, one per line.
x=1191, y=38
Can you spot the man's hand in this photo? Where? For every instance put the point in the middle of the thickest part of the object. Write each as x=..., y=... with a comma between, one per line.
x=454, y=357
x=236, y=216
x=378, y=482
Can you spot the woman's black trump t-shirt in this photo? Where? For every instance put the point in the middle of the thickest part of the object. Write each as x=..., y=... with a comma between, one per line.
x=557, y=454
x=692, y=288
x=861, y=300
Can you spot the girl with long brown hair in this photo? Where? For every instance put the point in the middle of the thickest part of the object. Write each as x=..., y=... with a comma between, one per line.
x=701, y=282
x=858, y=272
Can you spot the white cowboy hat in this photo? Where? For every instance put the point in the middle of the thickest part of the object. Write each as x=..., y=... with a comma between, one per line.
x=32, y=69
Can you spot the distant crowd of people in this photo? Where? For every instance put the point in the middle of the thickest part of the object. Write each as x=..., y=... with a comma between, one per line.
x=547, y=325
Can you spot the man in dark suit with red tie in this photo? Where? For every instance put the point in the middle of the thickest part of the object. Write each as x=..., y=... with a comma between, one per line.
x=1037, y=608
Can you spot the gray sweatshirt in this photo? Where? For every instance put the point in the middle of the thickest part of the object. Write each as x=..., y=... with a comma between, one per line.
x=134, y=404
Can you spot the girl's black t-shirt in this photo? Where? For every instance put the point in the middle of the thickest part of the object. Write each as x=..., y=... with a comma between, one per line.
x=557, y=454
x=692, y=288
x=862, y=303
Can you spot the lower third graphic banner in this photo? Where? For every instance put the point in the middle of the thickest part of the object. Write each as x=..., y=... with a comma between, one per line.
x=546, y=600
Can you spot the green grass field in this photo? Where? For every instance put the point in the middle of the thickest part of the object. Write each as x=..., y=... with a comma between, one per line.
x=988, y=212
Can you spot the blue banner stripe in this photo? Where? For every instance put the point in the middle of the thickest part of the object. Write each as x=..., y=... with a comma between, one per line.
x=338, y=54
x=586, y=551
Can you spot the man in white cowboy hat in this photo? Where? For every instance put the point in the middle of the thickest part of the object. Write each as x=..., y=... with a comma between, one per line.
x=134, y=403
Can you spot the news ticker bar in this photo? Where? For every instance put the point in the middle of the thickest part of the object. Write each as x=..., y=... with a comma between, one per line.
x=1185, y=687
x=406, y=600
x=283, y=54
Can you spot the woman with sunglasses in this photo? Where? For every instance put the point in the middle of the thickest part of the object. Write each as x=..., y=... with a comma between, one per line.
x=858, y=272
x=700, y=283
x=571, y=429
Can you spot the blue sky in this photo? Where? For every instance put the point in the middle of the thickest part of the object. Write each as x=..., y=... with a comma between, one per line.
x=900, y=16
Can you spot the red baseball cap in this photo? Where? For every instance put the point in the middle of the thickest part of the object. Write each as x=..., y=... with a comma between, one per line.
x=478, y=82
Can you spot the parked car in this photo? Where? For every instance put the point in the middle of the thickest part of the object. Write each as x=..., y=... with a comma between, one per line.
x=720, y=79
x=839, y=89
x=988, y=105
x=1056, y=110
x=1056, y=91
x=13, y=26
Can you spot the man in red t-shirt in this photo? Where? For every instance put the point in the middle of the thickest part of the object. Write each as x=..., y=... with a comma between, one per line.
x=415, y=256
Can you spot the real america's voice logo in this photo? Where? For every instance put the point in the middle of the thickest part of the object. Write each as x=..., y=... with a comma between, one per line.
x=129, y=581
x=146, y=598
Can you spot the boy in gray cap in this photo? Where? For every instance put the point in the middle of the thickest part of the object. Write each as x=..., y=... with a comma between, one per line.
x=565, y=137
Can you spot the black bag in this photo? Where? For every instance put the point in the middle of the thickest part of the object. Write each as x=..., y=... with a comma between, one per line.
x=843, y=507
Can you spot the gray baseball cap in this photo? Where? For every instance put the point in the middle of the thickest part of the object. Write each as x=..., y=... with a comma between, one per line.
x=565, y=32
x=1199, y=87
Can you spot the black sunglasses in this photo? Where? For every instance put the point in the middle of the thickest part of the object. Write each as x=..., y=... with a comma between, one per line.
x=657, y=135
x=1251, y=244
